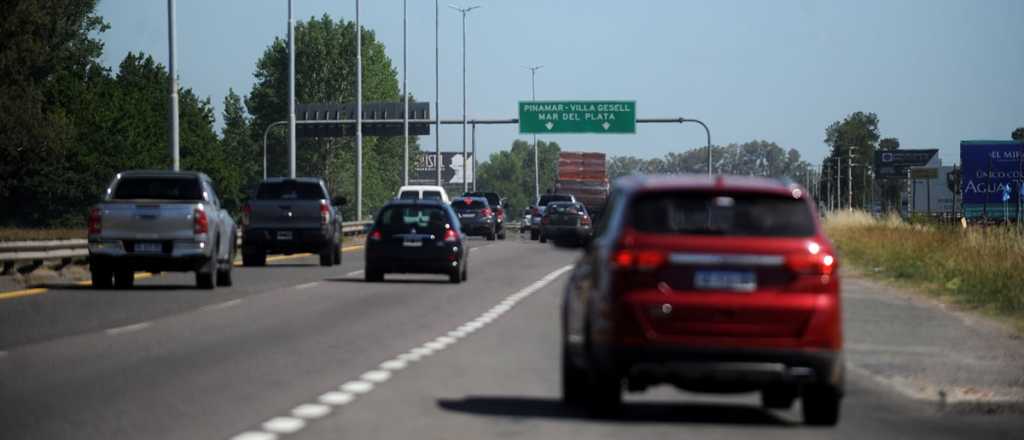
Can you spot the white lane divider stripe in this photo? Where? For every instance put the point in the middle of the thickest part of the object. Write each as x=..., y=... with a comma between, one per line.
x=222, y=305
x=347, y=392
x=127, y=328
x=354, y=273
x=307, y=285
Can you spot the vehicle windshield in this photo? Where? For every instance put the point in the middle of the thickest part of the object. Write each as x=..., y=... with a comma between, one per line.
x=564, y=208
x=409, y=195
x=548, y=198
x=432, y=195
x=404, y=219
x=722, y=214
x=290, y=190
x=158, y=188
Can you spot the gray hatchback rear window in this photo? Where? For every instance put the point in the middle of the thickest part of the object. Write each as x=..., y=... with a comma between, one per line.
x=722, y=214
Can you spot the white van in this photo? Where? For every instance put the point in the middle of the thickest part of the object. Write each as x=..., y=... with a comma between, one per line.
x=427, y=192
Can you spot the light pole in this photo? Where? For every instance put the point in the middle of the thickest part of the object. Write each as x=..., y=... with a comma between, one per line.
x=437, y=90
x=849, y=178
x=173, y=116
x=405, y=98
x=465, y=158
x=707, y=132
x=291, y=92
x=536, y=167
x=839, y=182
x=359, y=117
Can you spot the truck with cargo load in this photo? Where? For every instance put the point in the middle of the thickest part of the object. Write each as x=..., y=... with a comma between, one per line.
x=585, y=176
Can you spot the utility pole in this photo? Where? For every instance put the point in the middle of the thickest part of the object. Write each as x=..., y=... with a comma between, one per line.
x=849, y=178
x=839, y=182
x=359, y=117
x=465, y=158
x=437, y=90
x=173, y=116
x=291, y=92
x=536, y=167
x=405, y=97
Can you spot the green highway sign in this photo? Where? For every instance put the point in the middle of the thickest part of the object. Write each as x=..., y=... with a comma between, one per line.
x=577, y=117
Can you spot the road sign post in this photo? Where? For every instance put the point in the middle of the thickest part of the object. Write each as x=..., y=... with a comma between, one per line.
x=577, y=117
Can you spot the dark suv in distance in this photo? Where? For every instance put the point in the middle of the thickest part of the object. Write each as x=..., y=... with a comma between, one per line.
x=537, y=212
x=416, y=236
x=290, y=216
x=566, y=222
x=712, y=284
x=498, y=205
x=476, y=217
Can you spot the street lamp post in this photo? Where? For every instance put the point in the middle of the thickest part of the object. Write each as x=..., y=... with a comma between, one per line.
x=465, y=158
x=173, y=116
x=849, y=178
x=536, y=167
x=291, y=92
x=359, y=117
x=405, y=98
x=437, y=90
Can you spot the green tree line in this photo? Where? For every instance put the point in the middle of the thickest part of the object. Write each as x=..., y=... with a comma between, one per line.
x=69, y=124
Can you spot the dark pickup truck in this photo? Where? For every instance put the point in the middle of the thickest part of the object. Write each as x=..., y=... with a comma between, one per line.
x=290, y=216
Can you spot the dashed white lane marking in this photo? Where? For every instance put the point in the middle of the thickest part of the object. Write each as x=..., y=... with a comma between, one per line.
x=307, y=285
x=284, y=425
x=335, y=398
x=311, y=411
x=347, y=392
x=222, y=305
x=128, y=328
x=354, y=273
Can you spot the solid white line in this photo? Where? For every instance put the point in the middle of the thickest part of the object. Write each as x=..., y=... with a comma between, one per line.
x=127, y=328
x=222, y=305
x=307, y=285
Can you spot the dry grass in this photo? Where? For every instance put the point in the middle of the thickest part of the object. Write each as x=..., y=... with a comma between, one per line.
x=13, y=234
x=981, y=268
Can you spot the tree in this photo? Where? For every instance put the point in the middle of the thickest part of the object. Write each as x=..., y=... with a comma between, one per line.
x=857, y=134
x=325, y=72
x=239, y=148
x=510, y=172
x=1018, y=134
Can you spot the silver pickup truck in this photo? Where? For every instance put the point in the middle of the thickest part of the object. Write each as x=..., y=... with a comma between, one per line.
x=291, y=216
x=159, y=221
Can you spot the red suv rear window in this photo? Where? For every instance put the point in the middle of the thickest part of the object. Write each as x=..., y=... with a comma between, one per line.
x=721, y=214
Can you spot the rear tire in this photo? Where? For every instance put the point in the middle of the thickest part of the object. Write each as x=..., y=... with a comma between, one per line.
x=820, y=405
x=501, y=235
x=102, y=278
x=204, y=280
x=534, y=235
x=543, y=239
x=491, y=235
x=455, y=276
x=254, y=257
x=372, y=275
x=337, y=254
x=327, y=256
x=224, y=276
x=124, y=279
x=605, y=394
x=574, y=380
x=778, y=397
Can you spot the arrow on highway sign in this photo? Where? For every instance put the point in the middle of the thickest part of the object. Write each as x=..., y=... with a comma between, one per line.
x=606, y=125
x=550, y=125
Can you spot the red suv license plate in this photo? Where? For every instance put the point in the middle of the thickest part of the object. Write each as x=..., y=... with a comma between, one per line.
x=731, y=280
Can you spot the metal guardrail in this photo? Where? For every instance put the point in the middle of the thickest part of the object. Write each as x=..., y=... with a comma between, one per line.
x=13, y=252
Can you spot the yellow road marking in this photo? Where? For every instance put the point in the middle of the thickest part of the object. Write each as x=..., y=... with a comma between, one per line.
x=143, y=275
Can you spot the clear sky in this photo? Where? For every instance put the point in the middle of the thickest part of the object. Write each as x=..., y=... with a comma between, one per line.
x=935, y=71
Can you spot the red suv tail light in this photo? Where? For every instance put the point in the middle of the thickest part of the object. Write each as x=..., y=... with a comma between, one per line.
x=325, y=213
x=246, y=214
x=376, y=235
x=200, y=222
x=639, y=259
x=95, y=221
x=487, y=212
x=451, y=236
x=813, y=262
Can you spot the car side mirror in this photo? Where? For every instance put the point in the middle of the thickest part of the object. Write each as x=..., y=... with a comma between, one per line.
x=339, y=201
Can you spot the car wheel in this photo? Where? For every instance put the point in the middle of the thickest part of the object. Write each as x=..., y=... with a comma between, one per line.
x=327, y=256
x=604, y=394
x=501, y=235
x=124, y=279
x=543, y=239
x=254, y=257
x=491, y=235
x=337, y=254
x=778, y=397
x=574, y=380
x=455, y=276
x=372, y=275
x=534, y=235
x=820, y=405
x=205, y=276
x=465, y=272
x=102, y=278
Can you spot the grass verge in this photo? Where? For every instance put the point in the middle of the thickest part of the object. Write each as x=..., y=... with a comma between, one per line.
x=16, y=234
x=978, y=268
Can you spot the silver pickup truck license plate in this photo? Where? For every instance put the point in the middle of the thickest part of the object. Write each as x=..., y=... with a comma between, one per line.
x=148, y=247
x=284, y=235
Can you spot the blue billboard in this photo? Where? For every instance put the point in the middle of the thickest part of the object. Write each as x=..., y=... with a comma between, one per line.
x=992, y=174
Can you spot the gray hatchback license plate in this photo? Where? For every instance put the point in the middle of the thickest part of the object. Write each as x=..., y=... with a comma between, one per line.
x=735, y=281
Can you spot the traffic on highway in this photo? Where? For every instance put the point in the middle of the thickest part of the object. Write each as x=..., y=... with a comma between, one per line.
x=324, y=256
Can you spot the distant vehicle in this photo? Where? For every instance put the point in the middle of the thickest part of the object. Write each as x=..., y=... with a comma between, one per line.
x=416, y=236
x=723, y=284
x=566, y=222
x=289, y=216
x=537, y=212
x=423, y=192
x=160, y=221
x=498, y=205
x=476, y=217
x=585, y=176
x=525, y=223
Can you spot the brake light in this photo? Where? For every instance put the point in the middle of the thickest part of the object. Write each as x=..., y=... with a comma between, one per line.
x=450, y=235
x=325, y=212
x=95, y=221
x=487, y=212
x=201, y=224
x=535, y=211
x=812, y=262
x=376, y=235
x=545, y=220
x=638, y=259
x=585, y=220
x=246, y=214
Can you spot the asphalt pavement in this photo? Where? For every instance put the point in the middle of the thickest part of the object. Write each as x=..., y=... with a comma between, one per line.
x=295, y=350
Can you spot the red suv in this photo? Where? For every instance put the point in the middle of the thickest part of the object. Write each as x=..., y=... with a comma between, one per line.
x=712, y=284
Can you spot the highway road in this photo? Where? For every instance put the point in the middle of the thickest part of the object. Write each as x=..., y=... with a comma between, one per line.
x=295, y=350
